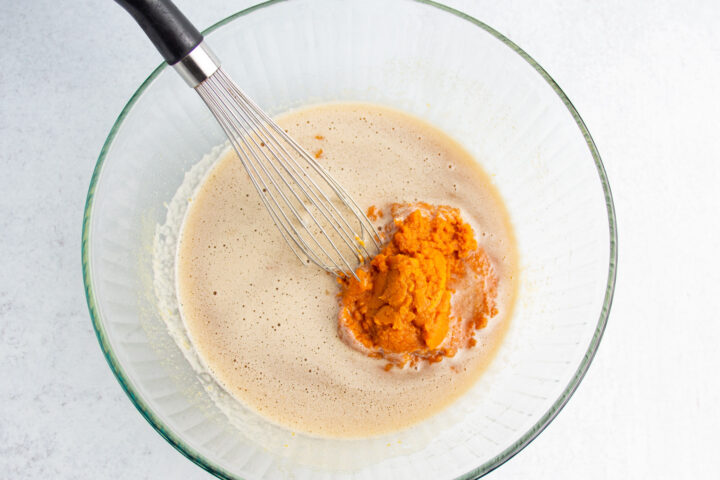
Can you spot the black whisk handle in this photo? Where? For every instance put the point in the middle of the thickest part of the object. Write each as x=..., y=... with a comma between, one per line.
x=169, y=30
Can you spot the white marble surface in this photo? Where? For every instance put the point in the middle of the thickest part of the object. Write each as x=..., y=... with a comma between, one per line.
x=644, y=76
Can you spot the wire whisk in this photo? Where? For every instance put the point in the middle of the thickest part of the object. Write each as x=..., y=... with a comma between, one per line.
x=316, y=217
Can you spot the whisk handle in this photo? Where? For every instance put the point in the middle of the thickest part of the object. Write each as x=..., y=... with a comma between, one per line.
x=169, y=30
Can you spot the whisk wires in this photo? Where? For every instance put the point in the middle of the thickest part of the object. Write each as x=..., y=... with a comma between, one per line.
x=316, y=217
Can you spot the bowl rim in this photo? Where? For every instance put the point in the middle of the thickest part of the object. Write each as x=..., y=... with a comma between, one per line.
x=481, y=470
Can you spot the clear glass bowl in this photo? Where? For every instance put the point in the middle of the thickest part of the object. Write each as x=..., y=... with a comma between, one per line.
x=440, y=65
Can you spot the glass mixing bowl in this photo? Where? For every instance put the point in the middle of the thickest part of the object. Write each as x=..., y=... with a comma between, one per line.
x=440, y=65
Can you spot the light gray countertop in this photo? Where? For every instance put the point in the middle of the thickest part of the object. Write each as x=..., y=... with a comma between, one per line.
x=644, y=76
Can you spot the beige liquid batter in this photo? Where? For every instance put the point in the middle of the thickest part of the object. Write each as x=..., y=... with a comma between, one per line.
x=266, y=325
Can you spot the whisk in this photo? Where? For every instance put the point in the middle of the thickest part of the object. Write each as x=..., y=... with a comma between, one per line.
x=316, y=217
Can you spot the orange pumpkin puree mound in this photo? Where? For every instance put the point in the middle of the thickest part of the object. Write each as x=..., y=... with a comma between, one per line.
x=402, y=308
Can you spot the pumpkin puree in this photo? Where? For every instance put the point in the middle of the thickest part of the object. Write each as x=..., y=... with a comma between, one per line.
x=402, y=308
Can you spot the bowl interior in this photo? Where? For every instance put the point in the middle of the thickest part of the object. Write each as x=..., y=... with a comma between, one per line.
x=436, y=64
